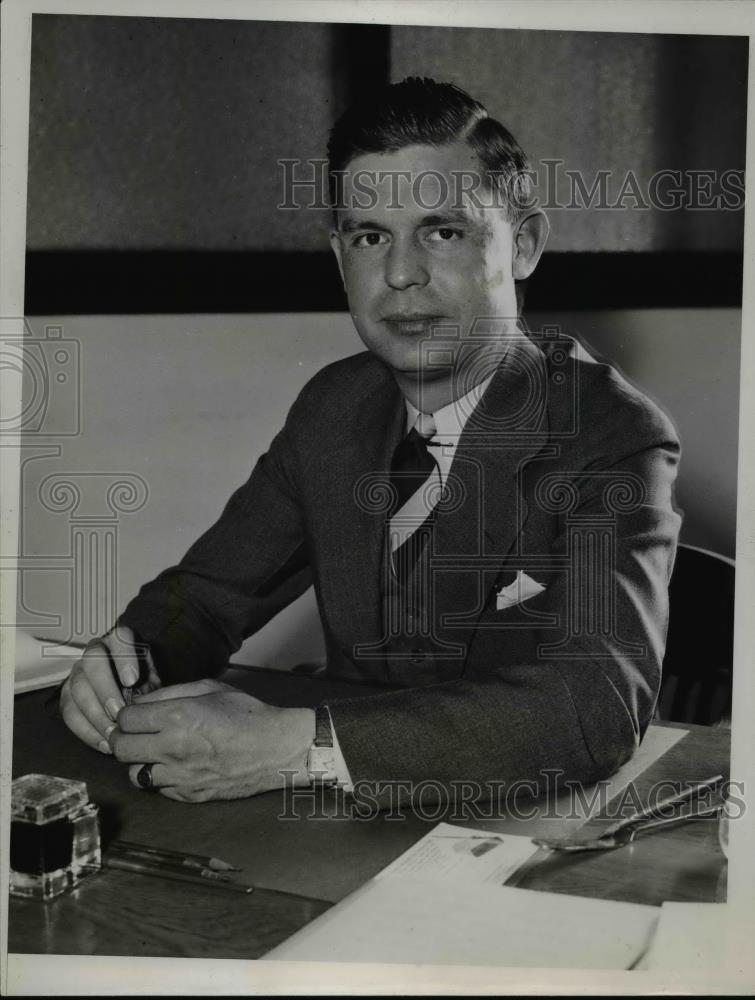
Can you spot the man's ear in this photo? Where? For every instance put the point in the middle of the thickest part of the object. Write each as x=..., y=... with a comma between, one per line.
x=335, y=245
x=530, y=237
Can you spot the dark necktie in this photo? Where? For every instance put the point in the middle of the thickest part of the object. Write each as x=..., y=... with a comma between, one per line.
x=411, y=467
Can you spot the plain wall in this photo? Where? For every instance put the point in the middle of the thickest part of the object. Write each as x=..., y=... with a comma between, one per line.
x=188, y=403
x=152, y=133
x=601, y=101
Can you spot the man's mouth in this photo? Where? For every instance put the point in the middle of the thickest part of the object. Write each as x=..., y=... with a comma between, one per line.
x=412, y=323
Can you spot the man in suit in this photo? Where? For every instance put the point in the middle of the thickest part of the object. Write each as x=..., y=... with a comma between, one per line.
x=486, y=515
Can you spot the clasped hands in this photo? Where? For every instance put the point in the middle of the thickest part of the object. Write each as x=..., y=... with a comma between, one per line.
x=206, y=740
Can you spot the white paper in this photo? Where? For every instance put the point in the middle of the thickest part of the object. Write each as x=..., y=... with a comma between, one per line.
x=473, y=856
x=443, y=902
x=690, y=937
x=657, y=741
x=40, y=664
x=416, y=919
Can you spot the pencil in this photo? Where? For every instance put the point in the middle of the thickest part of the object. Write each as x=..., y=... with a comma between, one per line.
x=173, y=857
x=204, y=878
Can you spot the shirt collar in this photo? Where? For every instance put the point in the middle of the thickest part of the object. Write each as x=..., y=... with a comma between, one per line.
x=451, y=419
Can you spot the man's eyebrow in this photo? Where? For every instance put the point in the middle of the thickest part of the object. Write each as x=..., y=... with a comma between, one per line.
x=450, y=217
x=349, y=225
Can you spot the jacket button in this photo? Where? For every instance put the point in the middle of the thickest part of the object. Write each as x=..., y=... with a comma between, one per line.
x=418, y=655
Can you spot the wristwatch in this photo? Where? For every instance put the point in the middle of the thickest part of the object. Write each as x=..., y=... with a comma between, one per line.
x=321, y=760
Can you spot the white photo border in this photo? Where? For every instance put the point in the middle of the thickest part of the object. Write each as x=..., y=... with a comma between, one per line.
x=90, y=975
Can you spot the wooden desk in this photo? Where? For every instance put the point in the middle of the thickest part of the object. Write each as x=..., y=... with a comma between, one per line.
x=320, y=860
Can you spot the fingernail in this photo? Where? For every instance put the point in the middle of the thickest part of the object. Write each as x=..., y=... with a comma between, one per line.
x=109, y=730
x=130, y=677
x=112, y=708
x=104, y=746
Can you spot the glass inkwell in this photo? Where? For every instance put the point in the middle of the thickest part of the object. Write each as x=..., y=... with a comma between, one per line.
x=54, y=837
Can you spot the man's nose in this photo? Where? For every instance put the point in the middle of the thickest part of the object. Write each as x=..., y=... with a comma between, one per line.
x=405, y=266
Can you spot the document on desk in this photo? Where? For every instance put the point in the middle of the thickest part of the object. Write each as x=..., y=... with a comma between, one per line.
x=40, y=664
x=443, y=902
x=453, y=852
x=658, y=740
x=416, y=919
x=690, y=936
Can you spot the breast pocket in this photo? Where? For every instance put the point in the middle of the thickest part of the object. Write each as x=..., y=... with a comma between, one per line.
x=522, y=588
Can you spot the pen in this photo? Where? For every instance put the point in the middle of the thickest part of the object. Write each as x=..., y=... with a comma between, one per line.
x=159, y=864
x=173, y=857
x=204, y=878
x=460, y=836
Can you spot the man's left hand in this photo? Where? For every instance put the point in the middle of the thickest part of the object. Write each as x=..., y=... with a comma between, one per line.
x=208, y=740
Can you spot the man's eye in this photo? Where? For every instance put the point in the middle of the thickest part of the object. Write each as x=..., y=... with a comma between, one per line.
x=369, y=239
x=444, y=235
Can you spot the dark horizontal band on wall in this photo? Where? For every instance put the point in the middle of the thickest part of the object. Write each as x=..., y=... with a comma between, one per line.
x=122, y=282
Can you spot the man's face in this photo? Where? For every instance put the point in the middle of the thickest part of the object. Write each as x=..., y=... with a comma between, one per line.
x=426, y=270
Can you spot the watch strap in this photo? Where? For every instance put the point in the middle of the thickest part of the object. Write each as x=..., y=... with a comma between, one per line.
x=323, y=727
x=321, y=763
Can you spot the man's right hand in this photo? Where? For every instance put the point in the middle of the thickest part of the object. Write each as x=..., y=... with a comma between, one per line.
x=91, y=696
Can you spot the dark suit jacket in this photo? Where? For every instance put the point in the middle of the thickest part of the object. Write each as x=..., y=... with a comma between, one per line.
x=564, y=472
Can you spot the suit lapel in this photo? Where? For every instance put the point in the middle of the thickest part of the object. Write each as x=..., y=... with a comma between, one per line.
x=483, y=514
x=477, y=523
x=353, y=502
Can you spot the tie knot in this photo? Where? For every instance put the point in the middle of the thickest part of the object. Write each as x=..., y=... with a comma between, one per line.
x=425, y=425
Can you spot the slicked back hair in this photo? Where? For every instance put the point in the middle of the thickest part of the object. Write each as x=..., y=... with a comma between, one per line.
x=419, y=111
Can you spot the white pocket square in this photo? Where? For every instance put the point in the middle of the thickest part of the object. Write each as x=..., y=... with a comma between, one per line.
x=520, y=590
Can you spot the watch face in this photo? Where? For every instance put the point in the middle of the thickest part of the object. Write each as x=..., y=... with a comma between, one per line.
x=321, y=765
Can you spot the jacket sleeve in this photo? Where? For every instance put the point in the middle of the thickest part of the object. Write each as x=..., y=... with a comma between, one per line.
x=583, y=713
x=249, y=565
